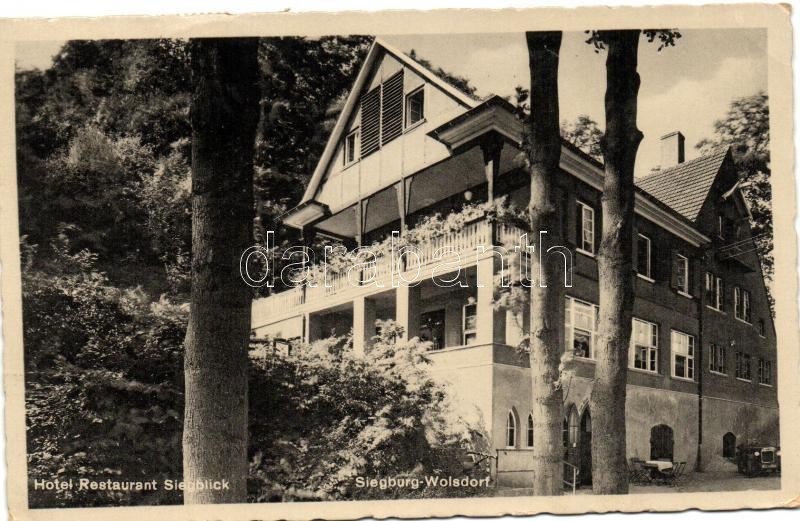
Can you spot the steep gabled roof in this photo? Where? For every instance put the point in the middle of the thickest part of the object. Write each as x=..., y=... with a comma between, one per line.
x=684, y=187
x=351, y=105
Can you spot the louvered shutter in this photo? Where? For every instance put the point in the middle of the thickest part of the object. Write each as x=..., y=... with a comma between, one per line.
x=370, y=121
x=392, y=108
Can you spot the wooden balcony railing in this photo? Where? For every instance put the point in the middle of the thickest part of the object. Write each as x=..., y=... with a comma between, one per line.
x=462, y=242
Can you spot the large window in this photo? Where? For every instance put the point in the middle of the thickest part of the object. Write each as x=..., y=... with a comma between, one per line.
x=644, y=346
x=741, y=303
x=764, y=371
x=743, y=366
x=643, y=258
x=682, y=355
x=415, y=107
x=585, y=228
x=580, y=327
x=714, y=291
x=511, y=430
x=680, y=273
x=717, y=360
x=470, y=325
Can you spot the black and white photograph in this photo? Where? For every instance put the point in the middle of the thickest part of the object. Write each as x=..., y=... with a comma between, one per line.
x=360, y=266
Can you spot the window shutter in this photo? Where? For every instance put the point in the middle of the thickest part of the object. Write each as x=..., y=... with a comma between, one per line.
x=635, y=251
x=392, y=108
x=370, y=121
x=673, y=277
x=578, y=225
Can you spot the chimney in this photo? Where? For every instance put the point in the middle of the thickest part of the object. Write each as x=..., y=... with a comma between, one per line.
x=672, y=152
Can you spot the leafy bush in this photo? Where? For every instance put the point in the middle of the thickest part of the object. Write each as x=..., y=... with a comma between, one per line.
x=324, y=416
x=103, y=385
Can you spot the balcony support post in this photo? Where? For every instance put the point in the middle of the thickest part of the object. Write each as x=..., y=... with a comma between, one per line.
x=407, y=309
x=363, y=323
x=491, y=147
x=359, y=222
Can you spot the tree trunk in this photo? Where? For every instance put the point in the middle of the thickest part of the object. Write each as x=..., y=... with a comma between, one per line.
x=614, y=264
x=224, y=114
x=547, y=302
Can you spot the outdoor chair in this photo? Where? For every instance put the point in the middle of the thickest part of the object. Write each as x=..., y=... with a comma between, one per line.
x=672, y=476
x=637, y=474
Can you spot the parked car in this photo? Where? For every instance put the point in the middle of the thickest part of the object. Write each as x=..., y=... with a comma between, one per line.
x=754, y=460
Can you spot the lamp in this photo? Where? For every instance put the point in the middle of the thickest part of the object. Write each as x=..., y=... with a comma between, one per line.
x=468, y=195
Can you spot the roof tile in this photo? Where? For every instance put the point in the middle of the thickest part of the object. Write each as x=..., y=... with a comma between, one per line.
x=684, y=187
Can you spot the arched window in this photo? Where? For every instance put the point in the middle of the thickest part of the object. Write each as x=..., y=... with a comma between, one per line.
x=661, y=442
x=729, y=445
x=530, y=430
x=511, y=430
x=572, y=427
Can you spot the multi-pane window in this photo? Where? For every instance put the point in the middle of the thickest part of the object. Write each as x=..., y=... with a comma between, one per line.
x=762, y=328
x=682, y=355
x=717, y=360
x=511, y=430
x=530, y=431
x=351, y=147
x=580, y=326
x=415, y=107
x=585, y=228
x=644, y=346
x=743, y=366
x=714, y=291
x=764, y=371
x=681, y=273
x=470, y=325
x=741, y=303
x=643, y=258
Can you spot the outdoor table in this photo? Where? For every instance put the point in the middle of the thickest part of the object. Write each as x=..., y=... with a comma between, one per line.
x=656, y=467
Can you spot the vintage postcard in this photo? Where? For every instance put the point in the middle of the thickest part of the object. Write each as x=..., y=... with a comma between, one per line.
x=408, y=264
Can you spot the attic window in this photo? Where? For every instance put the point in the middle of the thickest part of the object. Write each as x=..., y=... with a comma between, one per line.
x=415, y=107
x=351, y=147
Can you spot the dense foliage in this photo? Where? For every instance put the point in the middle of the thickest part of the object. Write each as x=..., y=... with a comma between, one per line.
x=325, y=415
x=104, y=378
x=104, y=400
x=104, y=143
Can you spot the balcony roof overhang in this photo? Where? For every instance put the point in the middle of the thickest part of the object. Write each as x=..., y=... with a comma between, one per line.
x=305, y=214
x=494, y=116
